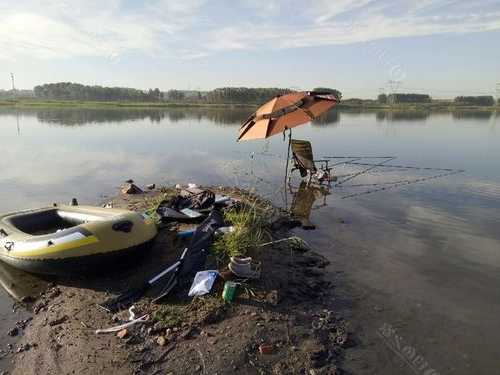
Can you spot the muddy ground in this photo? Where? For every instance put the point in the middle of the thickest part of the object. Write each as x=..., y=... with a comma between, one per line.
x=283, y=323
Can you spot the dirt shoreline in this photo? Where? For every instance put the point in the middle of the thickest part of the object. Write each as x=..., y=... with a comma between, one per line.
x=283, y=323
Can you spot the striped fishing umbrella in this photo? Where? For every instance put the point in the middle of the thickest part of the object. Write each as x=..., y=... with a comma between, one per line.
x=285, y=112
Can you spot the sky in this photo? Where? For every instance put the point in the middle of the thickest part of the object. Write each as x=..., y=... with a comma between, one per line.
x=361, y=47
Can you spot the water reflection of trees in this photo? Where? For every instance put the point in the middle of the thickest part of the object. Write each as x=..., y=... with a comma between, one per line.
x=402, y=115
x=330, y=118
x=83, y=116
x=472, y=115
x=220, y=116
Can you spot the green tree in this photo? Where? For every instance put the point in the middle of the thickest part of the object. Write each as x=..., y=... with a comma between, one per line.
x=175, y=95
x=76, y=91
x=382, y=98
x=409, y=98
x=485, y=101
x=244, y=94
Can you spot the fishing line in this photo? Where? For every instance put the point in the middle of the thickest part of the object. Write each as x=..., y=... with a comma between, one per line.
x=407, y=182
x=364, y=171
x=404, y=167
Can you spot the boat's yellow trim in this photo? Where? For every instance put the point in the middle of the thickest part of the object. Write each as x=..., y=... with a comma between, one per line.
x=61, y=247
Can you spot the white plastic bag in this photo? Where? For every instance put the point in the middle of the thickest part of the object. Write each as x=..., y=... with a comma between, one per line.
x=202, y=283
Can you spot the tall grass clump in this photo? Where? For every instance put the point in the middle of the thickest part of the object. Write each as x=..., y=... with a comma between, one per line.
x=249, y=222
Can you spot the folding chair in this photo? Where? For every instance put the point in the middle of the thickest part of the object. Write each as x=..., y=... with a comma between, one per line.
x=304, y=162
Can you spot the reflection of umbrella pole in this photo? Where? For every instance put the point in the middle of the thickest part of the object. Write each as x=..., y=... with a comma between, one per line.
x=287, y=159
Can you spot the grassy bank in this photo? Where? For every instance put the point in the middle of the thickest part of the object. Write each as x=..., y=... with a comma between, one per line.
x=31, y=103
x=347, y=104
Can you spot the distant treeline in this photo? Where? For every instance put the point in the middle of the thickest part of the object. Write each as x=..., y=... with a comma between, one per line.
x=224, y=95
x=228, y=95
x=424, y=98
x=243, y=94
x=76, y=91
x=404, y=98
x=476, y=100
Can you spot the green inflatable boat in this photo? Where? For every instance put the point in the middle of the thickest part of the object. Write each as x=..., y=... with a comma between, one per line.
x=66, y=239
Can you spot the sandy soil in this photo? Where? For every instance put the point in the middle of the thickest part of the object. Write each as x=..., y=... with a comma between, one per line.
x=283, y=323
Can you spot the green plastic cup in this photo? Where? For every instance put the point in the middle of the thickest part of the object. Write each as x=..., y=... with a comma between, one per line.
x=229, y=291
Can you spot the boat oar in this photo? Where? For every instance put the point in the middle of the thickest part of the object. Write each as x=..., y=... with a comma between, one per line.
x=125, y=299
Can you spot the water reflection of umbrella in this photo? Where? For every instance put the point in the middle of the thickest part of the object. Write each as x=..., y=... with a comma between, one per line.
x=285, y=112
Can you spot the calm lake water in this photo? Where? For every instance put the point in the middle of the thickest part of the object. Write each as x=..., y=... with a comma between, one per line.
x=416, y=266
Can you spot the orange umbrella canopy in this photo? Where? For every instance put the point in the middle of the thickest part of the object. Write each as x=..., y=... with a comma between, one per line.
x=285, y=112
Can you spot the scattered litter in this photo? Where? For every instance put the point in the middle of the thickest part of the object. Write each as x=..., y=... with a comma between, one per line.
x=161, y=341
x=265, y=349
x=121, y=327
x=122, y=334
x=192, y=186
x=229, y=291
x=202, y=283
x=224, y=230
x=244, y=267
x=222, y=199
x=186, y=233
x=151, y=186
x=130, y=296
x=130, y=188
x=191, y=213
x=131, y=313
x=186, y=205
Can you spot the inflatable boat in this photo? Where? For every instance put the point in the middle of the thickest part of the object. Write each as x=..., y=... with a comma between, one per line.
x=66, y=239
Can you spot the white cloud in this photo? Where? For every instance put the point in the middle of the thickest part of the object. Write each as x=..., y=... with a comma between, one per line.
x=367, y=21
x=73, y=28
x=326, y=10
x=196, y=28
